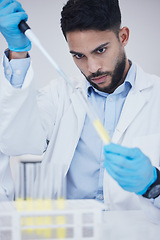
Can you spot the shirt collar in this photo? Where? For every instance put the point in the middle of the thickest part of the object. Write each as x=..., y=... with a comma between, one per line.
x=131, y=75
x=128, y=82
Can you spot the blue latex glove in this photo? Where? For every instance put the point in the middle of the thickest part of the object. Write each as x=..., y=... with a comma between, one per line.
x=129, y=167
x=11, y=14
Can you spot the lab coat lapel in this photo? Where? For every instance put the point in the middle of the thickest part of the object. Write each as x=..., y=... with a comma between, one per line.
x=61, y=150
x=134, y=103
x=79, y=110
x=132, y=107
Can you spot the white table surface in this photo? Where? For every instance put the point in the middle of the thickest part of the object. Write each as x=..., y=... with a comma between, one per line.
x=129, y=225
x=119, y=225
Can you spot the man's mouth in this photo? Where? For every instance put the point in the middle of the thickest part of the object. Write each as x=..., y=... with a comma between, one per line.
x=99, y=79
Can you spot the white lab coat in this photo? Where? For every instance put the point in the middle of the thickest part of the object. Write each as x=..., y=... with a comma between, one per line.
x=59, y=117
x=6, y=181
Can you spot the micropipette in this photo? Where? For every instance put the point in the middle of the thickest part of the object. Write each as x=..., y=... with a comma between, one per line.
x=23, y=26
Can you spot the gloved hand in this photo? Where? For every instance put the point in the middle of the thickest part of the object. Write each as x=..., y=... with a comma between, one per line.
x=129, y=167
x=11, y=14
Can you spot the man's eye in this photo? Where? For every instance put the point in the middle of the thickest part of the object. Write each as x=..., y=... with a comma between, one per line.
x=78, y=56
x=101, y=50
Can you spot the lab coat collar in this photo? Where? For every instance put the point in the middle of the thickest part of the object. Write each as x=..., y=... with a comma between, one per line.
x=142, y=80
x=135, y=101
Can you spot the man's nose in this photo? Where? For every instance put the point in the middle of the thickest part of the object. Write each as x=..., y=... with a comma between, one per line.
x=93, y=65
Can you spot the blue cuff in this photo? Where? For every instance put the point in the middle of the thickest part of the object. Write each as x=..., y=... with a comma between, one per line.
x=15, y=70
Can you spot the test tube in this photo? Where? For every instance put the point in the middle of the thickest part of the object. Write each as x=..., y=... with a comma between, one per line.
x=19, y=182
x=60, y=185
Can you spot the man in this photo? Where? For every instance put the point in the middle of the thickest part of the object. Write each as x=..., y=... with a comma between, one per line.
x=125, y=98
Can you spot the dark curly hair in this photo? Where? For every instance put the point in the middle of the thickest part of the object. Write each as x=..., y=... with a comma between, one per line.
x=90, y=15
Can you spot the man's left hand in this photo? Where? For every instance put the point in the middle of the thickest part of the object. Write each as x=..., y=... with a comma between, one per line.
x=129, y=167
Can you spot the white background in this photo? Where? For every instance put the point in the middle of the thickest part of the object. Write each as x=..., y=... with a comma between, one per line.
x=141, y=16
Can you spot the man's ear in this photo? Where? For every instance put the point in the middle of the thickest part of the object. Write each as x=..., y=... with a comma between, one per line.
x=124, y=36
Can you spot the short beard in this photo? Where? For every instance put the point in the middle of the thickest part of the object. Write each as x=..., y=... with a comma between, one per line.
x=117, y=76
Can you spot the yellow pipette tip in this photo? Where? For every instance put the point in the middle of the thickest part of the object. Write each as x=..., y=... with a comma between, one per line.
x=101, y=131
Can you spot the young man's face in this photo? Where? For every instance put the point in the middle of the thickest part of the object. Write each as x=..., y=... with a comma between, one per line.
x=100, y=56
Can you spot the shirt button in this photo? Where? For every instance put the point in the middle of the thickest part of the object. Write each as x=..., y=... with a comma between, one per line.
x=110, y=99
x=18, y=72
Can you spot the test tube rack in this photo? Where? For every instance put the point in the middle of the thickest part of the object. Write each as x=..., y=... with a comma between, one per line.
x=76, y=219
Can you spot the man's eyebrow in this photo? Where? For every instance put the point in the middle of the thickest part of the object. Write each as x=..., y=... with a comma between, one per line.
x=95, y=50
x=99, y=47
x=76, y=53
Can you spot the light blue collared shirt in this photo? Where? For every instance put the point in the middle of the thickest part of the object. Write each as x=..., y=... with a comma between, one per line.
x=15, y=70
x=85, y=176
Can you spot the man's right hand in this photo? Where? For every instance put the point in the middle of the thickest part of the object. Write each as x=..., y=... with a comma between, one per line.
x=11, y=14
